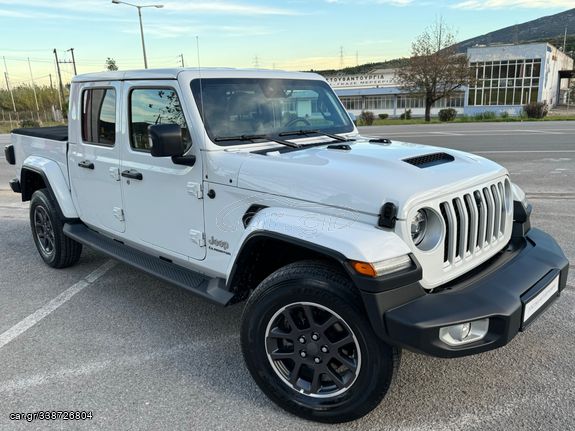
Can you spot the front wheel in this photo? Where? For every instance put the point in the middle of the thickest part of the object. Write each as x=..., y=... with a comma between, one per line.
x=309, y=347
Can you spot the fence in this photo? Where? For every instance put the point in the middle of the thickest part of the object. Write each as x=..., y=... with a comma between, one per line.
x=11, y=119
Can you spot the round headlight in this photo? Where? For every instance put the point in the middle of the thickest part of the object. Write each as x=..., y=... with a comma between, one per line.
x=418, y=226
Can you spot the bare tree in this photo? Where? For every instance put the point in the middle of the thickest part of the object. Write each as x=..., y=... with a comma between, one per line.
x=111, y=64
x=435, y=69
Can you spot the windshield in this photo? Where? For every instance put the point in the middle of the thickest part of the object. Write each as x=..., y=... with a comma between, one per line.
x=236, y=107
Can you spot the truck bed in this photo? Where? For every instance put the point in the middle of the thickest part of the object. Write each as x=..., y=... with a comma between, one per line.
x=35, y=146
x=56, y=133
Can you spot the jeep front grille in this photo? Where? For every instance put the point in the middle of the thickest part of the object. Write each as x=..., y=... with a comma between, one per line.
x=474, y=221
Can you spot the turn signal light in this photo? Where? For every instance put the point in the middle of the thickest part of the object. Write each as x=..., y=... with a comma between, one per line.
x=382, y=267
x=364, y=268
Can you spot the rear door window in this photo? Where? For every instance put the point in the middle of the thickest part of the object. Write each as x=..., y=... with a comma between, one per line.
x=99, y=116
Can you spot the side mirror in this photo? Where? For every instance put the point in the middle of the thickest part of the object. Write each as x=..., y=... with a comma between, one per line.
x=166, y=140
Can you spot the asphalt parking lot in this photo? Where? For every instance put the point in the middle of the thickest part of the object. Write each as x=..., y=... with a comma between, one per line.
x=141, y=354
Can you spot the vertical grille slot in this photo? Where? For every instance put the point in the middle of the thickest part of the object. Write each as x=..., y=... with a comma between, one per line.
x=496, y=222
x=482, y=227
x=473, y=221
x=503, y=207
x=490, y=215
x=448, y=230
x=463, y=227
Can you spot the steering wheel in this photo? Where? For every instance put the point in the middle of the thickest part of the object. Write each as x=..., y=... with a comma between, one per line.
x=297, y=120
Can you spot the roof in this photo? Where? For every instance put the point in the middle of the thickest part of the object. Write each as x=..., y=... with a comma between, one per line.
x=192, y=72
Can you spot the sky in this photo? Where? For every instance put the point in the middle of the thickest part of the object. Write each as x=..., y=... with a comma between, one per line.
x=288, y=34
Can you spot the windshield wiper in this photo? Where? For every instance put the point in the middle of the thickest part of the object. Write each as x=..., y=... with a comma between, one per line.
x=314, y=132
x=255, y=138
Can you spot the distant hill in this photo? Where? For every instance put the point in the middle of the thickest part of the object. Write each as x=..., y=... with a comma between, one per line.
x=364, y=68
x=547, y=29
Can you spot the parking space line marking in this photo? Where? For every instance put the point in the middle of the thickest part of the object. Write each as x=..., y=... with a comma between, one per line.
x=54, y=304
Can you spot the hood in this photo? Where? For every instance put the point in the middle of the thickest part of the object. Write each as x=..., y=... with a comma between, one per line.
x=367, y=175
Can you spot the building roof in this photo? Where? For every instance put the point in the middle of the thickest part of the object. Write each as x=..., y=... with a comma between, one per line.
x=173, y=73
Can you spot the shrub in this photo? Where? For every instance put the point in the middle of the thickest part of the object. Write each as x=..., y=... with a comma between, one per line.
x=383, y=116
x=406, y=115
x=487, y=115
x=29, y=123
x=536, y=109
x=504, y=114
x=366, y=118
x=448, y=114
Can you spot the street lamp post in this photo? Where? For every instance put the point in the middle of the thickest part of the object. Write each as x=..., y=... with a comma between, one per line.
x=139, y=7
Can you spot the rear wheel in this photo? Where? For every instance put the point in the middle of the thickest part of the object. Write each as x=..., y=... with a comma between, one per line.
x=55, y=248
x=309, y=347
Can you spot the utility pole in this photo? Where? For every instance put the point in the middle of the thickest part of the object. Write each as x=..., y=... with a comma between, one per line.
x=34, y=89
x=61, y=92
x=256, y=62
x=8, y=85
x=73, y=60
x=51, y=85
x=565, y=40
x=341, y=57
x=181, y=56
x=357, y=57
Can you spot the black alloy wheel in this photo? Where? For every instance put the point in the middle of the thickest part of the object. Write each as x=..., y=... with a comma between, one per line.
x=313, y=350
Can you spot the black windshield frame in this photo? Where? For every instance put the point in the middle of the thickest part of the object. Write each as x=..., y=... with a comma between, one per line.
x=338, y=111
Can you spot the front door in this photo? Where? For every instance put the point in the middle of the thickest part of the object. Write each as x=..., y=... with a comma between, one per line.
x=94, y=156
x=163, y=205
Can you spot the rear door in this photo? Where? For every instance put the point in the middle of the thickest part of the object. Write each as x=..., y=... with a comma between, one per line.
x=94, y=156
x=162, y=200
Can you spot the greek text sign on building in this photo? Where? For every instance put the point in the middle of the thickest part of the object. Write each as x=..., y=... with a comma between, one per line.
x=364, y=80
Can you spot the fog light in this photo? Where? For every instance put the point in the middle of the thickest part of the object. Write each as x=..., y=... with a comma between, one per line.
x=464, y=333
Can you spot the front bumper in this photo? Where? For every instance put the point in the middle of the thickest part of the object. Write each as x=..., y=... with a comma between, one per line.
x=407, y=316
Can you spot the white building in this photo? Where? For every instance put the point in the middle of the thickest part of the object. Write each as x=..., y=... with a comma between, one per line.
x=508, y=77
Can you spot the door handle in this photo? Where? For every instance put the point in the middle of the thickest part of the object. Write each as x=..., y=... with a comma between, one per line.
x=86, y=164
x=130, y=173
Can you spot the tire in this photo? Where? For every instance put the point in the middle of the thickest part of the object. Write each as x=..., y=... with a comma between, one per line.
x=55, y=248
x=365, y=364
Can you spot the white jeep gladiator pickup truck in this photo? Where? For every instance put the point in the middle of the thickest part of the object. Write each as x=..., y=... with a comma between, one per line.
x=256, y=185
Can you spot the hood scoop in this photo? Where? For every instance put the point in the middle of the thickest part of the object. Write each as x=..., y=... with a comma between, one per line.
x=429, y=160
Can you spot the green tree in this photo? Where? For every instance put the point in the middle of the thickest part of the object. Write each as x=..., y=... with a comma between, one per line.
x=111, y=64
x=435, y=70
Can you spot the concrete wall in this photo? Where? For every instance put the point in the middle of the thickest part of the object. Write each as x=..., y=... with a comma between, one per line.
x=550, y=86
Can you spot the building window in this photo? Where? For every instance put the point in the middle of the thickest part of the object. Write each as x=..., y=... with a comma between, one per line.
x=410, y=102
x=508, y=82
x=454, y=101
x=352, y=103
x=99, y=116
x=379, y=102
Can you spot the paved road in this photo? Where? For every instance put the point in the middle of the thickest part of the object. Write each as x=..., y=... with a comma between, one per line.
x=141, y=354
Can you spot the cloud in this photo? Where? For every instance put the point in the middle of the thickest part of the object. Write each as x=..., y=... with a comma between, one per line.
x=106, y=7
x=508, y=4
x=224, y=7
x=167, y=31
x=398, y=3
